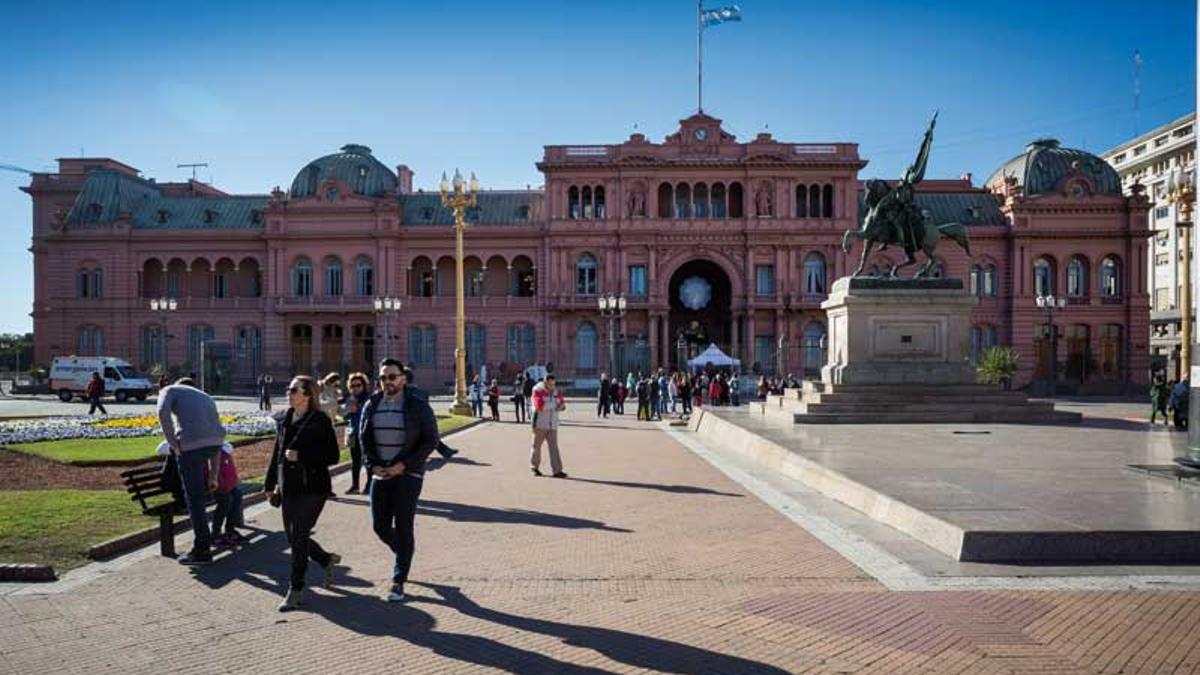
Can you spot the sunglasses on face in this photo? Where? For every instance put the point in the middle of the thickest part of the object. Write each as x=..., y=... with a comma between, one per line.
x=390, y=377
x=295, y=390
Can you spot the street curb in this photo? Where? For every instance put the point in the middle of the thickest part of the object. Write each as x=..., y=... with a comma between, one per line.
x=17, y=572
x=148, y=460
x=134, y=540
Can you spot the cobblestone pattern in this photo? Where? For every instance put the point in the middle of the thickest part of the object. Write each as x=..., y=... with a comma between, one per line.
x=648, y=559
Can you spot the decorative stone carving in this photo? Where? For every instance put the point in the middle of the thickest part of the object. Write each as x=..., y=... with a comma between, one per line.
x=764, y=200
x=635, y=201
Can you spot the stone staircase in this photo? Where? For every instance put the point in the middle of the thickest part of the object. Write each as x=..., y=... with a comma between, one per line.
x=820, y=403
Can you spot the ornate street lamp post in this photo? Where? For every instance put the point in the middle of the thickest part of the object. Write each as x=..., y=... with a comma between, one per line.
x=612, y=308
x=1051, y=303
x=461, y=197
x=1182, y=194
x=162, y=307
x=387, y=307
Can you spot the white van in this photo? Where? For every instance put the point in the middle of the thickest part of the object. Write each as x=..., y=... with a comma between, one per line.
x=69, y=377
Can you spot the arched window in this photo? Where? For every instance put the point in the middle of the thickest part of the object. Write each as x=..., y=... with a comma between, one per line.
x=983, y=338
x=586, y=344
x=801, y=201
x=198, y=334
x=302, y=281
x=586, y=198
x=585, y=275
x=421, y=278
x=1077, y=277
x=89, y=283
x=476, y=336
x=827, y=201
x=599, y=196
x=976, y=280
x=683, y=200
x=1043, y=277
x=422, y=345
x=814, y=274
x=1110, y=277
x=814, y=201
x=989, y=281
x=520, y=344
x=718, y=200
x=700, y=201
x=91, y=341
x=333, y=276
x=813, y=347
x=573, y=203
x=666, y=197
x=364, y=277
x=736, y=201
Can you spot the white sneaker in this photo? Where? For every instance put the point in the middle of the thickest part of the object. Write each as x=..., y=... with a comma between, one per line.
x=395, y=594
x=293, y=600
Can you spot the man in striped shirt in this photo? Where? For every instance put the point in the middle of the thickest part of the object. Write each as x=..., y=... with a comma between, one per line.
x=397, y=430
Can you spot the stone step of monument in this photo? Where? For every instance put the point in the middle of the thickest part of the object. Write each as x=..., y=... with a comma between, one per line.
x=851, y=405
x=887, y=399
x=1011, y=416
x=904, y=389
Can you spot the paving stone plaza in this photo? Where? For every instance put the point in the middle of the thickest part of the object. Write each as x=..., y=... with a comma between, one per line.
x=659, y=554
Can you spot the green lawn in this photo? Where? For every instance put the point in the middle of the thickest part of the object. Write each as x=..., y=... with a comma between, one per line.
x=56, y=527
x=97, y=449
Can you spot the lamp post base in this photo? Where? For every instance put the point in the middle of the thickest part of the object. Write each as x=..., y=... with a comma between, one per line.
x=461, y=408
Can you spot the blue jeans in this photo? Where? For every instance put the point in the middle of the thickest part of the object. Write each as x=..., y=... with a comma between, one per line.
x=477, y=407
x=228, y=511
x=393, y=512
x=195, y=492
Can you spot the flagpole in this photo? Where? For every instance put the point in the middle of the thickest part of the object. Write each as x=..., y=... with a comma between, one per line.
x=699, y=56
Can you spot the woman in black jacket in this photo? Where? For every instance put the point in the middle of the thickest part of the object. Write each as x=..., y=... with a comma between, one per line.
x=298, y=480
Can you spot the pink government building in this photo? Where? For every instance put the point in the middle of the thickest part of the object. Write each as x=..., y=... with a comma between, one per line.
x=709, y=239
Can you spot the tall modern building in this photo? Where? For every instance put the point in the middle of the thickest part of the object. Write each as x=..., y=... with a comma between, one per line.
x=1147, y=161
x=710, y=238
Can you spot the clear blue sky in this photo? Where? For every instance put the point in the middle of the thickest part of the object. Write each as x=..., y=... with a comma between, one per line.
x=259, y=89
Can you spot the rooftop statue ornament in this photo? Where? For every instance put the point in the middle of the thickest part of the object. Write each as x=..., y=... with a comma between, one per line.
x=894, y=218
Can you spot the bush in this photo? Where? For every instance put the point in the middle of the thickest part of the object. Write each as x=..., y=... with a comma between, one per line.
x=998, y=365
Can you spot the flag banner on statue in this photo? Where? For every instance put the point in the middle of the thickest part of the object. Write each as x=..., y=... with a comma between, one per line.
x=712, y=17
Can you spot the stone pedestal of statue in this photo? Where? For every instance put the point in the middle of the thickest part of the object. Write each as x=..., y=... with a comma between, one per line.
x=898, y=331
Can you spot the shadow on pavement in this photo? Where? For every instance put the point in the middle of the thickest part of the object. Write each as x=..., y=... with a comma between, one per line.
x=676, y=489
x=1112, y=423
x=631, y=649
x=439, y=462
x=266, y=563
x=467, y=513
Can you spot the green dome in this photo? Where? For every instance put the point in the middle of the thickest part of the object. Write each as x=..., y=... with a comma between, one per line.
x=354, y=164
x=1043, y=165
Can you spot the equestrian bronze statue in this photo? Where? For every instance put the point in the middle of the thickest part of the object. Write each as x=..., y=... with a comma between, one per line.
x=894, y=218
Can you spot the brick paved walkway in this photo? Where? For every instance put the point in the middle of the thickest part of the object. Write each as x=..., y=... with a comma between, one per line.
x=648, y=559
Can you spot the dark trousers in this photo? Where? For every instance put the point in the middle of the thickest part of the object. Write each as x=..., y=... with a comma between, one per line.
x=228, y=512
x=618, y=406
x=300, y=514
x=95, y=401
x=356, y=462
x=264, y=401
x=477, y=407
x=602, y=408
x=393, y=516
x=654, y=410
x=643, y=409
x=687, y=404
x=494, y=404
x=519, y=402
x=195, y=493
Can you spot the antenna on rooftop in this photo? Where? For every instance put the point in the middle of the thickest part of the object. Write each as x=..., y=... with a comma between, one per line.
x=193, y=167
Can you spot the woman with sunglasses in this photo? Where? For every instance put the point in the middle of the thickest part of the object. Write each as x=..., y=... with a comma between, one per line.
x=351, y=408
x=298, y=480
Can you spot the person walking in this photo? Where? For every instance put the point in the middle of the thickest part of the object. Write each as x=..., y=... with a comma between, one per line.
x=1158, y=400
x=94, y=391
x=328, y=395
x=518, y=398
x=603, y=398
x=548, y=402
x=642, y=389
x=616, y=392
x=493, y=393
x=655, y=395
x=475, y=392
x=192, y=428
x=351, y=408
x=1178, y=403
x=527, y=390
x=264, y=391
x=685, y=393
x=398, y=432
x=298, y=480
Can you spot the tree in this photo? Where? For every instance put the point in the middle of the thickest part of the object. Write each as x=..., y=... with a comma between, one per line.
x=998, y=365
x=16, y=351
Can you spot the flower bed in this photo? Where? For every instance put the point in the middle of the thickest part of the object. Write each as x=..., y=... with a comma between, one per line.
x=118, y=426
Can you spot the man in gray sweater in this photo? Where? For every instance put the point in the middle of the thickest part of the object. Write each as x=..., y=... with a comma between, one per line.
x=192, y=427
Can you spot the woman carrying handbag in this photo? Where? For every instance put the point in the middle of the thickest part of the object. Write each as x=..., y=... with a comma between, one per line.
x=298, y=480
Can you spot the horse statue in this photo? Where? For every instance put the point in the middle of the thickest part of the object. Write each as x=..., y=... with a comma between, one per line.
x=894, y=218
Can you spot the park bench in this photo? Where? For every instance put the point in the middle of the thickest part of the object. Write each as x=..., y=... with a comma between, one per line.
x=146, y=482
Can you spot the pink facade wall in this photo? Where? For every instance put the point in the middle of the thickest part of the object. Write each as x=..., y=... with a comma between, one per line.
x=631, y=233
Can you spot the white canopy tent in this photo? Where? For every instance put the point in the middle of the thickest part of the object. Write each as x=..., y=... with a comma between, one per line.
x=716, y=357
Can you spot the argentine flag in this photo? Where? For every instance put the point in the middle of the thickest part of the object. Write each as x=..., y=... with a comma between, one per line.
x=712, y=17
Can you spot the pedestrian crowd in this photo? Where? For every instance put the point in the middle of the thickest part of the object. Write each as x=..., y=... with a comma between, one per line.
x=1169, y=398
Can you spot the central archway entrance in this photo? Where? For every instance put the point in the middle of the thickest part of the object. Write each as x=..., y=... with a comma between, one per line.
x=700, y=296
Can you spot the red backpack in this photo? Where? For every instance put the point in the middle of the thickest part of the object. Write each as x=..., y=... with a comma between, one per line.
x=227, y=477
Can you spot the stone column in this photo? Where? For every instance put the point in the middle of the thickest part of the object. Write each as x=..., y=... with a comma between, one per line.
x=751, y=343
x=733, y=337
x=347, y=350
x=318, y=335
